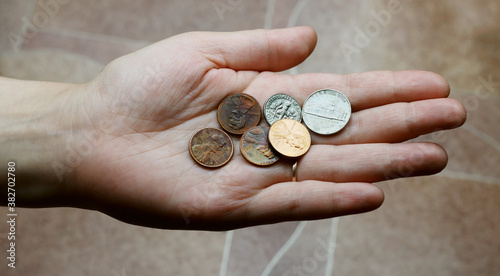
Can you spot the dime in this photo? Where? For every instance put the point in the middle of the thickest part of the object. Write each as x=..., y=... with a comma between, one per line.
x=238, y=112
x=255, y=147
x=281, y=106
x=290, y=138
x=211, y=147
x=326, y=111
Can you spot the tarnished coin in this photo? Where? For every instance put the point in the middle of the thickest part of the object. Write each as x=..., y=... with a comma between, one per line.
x=255, y=147
x=211, y=147
x=238, y=112
x=290, y=138
x=281, y=106
x=326, y=111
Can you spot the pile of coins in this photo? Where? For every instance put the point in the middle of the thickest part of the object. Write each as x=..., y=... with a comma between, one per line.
x=325, y=112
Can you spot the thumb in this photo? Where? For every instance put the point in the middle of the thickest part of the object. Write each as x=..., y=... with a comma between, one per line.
x=259, y=50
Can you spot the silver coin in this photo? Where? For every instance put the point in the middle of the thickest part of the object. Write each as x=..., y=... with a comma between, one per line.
x=281, y=106
x=326, y=111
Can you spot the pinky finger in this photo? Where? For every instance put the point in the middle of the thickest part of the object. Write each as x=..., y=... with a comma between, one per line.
x=309, y=200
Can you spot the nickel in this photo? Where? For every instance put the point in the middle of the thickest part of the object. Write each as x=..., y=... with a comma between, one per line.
x=238, y=112
x=326, y=111
x=255, y=147
x=290, y=138
x=281, y=106
x=211, y=147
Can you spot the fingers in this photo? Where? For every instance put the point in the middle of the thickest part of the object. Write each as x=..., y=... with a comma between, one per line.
x=259, y=50
x=316, y=197
x=371, y=162
x=398, y=122
x=309, y=200
x=386, y=113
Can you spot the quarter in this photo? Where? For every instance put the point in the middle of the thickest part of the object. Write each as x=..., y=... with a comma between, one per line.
x=289, y=138
x=238, y=112
x=255, y=147
x=211, y=147
x=326, y=111
x=281, y=106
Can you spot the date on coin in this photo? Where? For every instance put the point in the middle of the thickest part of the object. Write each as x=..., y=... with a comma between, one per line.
x=211, y=147
x=255, y=147
x=281, y=106
x=238, y=112
x=289, y=138
x=326, y=111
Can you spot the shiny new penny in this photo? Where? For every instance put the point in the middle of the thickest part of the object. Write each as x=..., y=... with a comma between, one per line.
x=326, y=111
x=281, y=106
x=255, y=147
x=238, y=112
x=290, y=138
x=211, y=147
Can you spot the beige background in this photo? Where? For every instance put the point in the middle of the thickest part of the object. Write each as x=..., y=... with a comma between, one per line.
x=447, y=224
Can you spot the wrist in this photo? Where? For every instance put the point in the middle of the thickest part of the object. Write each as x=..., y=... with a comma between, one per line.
x=39, y=121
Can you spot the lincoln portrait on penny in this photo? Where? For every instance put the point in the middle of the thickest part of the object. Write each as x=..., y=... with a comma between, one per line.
x=242, y=105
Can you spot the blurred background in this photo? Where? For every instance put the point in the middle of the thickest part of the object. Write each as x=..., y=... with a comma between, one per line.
x=447, y=224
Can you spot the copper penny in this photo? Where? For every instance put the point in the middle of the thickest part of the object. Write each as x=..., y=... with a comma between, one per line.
x=211, y=147
x=290, y=138
x=255, y=147
x=238, y=112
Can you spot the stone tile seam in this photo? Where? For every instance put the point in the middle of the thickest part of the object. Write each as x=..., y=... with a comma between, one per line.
x=332, y=245
x=268, y=21
x=471, y=177
x=482, y=135
x=226, y=252
x=282, y=251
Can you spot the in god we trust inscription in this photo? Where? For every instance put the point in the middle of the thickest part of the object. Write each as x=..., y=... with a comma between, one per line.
x=326, y=111
x=281, y=106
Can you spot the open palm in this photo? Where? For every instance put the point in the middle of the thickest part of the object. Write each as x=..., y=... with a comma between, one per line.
x=145, y=107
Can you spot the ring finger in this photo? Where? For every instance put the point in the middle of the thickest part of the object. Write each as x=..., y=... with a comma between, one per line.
x=370, y=162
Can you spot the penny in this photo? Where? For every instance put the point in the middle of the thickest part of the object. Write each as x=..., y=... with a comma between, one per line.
x=255, y=147
x=238, y=112
x=326, y=111
x=211, y=147
x=290, y=138
x=281, y=106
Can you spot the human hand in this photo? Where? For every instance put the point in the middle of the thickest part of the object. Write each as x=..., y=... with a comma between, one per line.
x=144, y=107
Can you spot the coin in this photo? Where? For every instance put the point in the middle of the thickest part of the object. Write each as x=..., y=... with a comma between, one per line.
x=326, y=111
x=290, y=138
x=211, y=147
x=281, y=106
x=238, y=112
x=255, y=147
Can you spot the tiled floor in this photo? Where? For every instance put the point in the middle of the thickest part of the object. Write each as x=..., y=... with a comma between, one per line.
x=446, y=224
